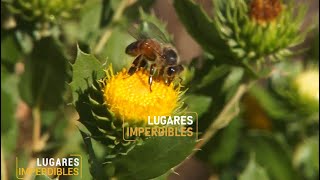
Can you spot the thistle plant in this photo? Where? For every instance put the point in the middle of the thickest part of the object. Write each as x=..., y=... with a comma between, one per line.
x=253, y=90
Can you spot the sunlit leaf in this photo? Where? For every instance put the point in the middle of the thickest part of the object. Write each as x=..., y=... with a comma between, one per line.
x=85, y=69
x=153, y=158
x=253, y=171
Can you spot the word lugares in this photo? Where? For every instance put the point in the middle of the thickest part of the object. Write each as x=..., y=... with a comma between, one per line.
x=170, y=120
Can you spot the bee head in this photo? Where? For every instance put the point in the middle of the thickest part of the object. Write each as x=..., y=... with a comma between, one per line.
x=170, y=56
x=174, y=70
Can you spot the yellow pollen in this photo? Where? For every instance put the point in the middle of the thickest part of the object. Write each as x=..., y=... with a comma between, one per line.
x=130, y=98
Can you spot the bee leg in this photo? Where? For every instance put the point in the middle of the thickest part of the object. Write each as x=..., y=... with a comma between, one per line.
x=143, y=63
x=152, y=72
x=160, y=75
x=169, y=80
x=135, y=64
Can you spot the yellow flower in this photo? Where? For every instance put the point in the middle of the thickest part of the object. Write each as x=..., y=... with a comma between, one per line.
x=130, y=98
x=307, y=84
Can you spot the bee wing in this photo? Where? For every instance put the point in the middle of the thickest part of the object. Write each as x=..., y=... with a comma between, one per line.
x=135, y=32
x=148, y=30
x=154, y=32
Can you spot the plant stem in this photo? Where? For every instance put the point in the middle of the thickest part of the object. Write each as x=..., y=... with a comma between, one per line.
x=223, y=119
x=36, y=127
x=36, y=143
x=117, y=15
x=230, y=110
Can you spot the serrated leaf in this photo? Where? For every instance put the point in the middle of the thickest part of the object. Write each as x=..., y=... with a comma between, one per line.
x=85, y=69
x=43, y=82
x=153, y=158
x=253, y=171
x=270, y=154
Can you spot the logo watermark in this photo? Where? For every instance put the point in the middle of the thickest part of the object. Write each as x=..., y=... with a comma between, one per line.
x=52, y=167
x=182, y=126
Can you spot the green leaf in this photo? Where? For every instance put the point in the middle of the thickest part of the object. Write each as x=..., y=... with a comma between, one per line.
x=9, y=136
x=43, y=82
x=7, y=112
x=225, y=144
x=198, y=103
x=234, y=77
x=9, y=82
x=132, y=12
x=201, y=27
x=86, y=69
x=253, y=171
x=208, y=73
x=86, y=28
x=153, y=158
x=271, y=104
x=9, y=124
x=44, y=177
x=164, y=176
x=10, y=49
x=96, y=169
x=114, y=49
x=90, y=21
x=271, y=154
x=306, y=157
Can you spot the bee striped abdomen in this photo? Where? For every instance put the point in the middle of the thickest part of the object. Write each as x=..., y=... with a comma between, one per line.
x=133, y=48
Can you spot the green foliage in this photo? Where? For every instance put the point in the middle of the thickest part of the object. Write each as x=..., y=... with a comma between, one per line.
x=253, y=171
x=201, y=27
x=10, y=48
x=274, y=157
x=85, y=68
x=43, y=82
x=233, y=38
x=114, y=49
x=224, y=152
x=160, y=154
x=306, y=157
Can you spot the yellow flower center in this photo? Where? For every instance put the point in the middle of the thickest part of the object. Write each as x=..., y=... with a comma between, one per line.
x=130, y=98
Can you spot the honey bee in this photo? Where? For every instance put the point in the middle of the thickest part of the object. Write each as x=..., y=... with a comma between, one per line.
x=152, y=46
